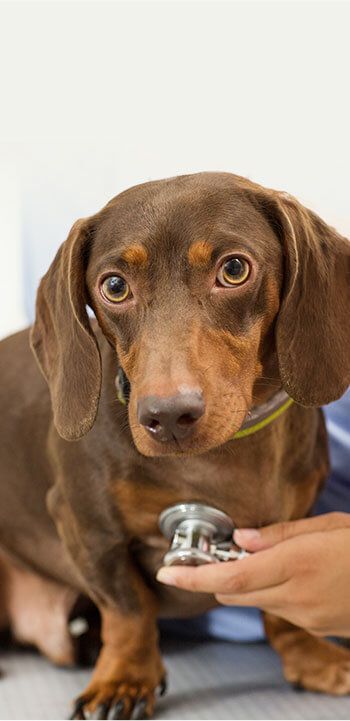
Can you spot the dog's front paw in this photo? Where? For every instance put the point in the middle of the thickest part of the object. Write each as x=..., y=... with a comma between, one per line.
x=309, y=662
x=324, y=668
x=128, y=692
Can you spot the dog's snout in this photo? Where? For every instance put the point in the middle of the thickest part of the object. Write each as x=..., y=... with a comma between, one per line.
x=172, y=417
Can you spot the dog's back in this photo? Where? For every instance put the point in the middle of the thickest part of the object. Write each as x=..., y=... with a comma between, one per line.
x=25, y=471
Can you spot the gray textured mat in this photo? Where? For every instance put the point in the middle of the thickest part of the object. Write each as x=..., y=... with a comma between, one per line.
x=207, y=680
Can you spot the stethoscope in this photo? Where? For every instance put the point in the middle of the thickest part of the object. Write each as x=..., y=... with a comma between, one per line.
x=198, y=534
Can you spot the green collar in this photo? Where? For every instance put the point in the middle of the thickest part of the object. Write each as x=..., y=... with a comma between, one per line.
x=263, y=415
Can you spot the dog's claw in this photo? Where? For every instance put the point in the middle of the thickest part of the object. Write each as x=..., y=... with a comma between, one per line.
x=116, y=707
x=297, y=687
x=78, y=710
x=117, y=711
x=102, y=711
x=140, y=709
x=163, y=686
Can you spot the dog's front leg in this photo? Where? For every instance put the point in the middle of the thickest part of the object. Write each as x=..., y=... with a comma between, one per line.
x=129, y=669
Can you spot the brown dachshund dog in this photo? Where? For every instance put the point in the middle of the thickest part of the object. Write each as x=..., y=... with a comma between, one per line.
x=211, y=293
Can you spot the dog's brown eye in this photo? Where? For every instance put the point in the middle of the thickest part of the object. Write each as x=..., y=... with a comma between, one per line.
x=115, y=289
x=233, y=272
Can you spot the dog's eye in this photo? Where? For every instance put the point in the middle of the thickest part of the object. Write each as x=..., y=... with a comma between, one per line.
x=233, y=271
x=115, y=289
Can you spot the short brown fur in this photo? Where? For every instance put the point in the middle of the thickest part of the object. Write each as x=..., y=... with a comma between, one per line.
x=135, y=255
x=199, y=253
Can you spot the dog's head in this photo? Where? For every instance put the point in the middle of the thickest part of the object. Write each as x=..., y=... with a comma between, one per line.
x=213, y=291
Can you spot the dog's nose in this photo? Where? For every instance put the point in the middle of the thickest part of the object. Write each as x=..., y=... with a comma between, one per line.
x=173, y=417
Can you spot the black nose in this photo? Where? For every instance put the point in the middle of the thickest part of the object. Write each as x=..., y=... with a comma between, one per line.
x=171, y=418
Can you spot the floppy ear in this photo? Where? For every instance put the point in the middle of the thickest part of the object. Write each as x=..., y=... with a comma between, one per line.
x=62, y=339
x=313, y=325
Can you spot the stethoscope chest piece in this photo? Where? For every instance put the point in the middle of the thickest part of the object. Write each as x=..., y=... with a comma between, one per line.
x=198, y=534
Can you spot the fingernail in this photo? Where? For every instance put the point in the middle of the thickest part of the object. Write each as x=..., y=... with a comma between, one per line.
x=245, y=535
x=166, y=575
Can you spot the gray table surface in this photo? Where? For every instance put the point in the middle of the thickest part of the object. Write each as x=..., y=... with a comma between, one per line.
x=207, y=680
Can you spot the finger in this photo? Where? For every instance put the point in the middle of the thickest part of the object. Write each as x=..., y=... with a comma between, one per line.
x=253, y=539
x=265, y=569
x=272, y=600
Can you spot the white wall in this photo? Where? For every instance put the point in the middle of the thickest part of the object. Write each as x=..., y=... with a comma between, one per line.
x=100, y=95
x=12, y=294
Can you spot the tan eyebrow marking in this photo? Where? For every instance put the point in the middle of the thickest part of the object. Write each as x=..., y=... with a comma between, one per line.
x=136, y=255
x=199, y=253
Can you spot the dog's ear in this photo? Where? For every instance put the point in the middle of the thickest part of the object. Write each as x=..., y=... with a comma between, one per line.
x=313, y=325
x=62, y=340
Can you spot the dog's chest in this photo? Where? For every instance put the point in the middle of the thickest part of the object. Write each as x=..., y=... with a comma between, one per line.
x=248, y=497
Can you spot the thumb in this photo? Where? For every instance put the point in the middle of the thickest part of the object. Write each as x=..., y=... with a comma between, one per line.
x=253, y=539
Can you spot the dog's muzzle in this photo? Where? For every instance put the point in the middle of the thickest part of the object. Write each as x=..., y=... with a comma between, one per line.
x=199, y=534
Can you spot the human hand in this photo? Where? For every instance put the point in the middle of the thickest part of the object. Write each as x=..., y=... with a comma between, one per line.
x=299, y=571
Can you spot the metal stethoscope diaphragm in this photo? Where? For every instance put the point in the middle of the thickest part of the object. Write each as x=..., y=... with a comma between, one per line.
x=199, y=534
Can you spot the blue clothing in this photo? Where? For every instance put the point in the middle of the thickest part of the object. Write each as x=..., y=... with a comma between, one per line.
x=244, y=624
x=336, y=494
